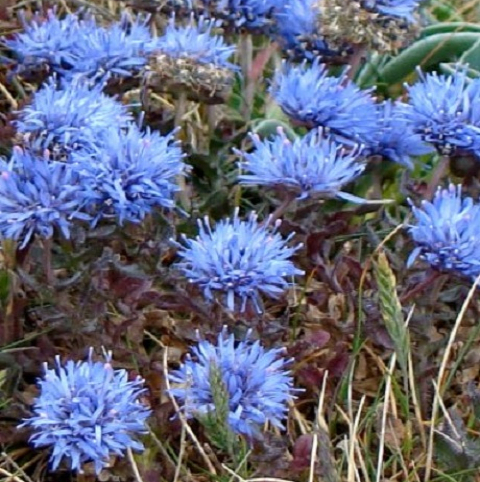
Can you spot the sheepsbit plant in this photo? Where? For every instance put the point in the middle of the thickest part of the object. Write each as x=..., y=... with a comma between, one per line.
x=130, y=174
x=310, y=166
x=87, y=411
x=311, y=97
x=394, y=139
x=243, y=15
x=76, y=46
x=382, y=25
x=393, y=8
x=238, y=259
x=117, y=50
x=37, y=197
x=197, y=42
x=298, y=30
x=446, y=232
x=253, y=383
x=445, y=111
x=47, y=42
x=193, y=59
x=68, y=117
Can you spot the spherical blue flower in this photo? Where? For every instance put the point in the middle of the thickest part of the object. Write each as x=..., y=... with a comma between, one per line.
x=121, y=49
x=394, y=8
x=312, y=165
x=394, y=138
x=48, y=42
x=447, y=233
x=87, y=412
x=444, y=112
x=250, y=15
x=240, y=259
x=69, y=117
x=196, y=42
x=255, y=381
x=130, y=173
x=298, y=30
x=79, y=47
x=37, y=197
x=308, y=95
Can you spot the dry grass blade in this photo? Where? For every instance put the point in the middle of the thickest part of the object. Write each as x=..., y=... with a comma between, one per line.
x=388, y=388
x=441, y=375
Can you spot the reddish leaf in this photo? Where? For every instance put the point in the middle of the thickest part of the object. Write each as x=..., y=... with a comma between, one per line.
x=317, y=338
x=302, y=452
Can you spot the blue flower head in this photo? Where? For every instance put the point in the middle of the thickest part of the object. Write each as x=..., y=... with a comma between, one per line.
x=255, y=380
x=250, y=15
x=73, y=46
x=131, y=173
x=119, y=50
x=87, y=411
x=443, y=111
x=394, y=138
x=308, y=95
x=447, y=233
x=308, y=166
x=239, y=259
x=196, y=42
x=48, y=42
x=299, y=32
x=394, y=8
x=69, y=117
x=192, y=59
x=37, y=197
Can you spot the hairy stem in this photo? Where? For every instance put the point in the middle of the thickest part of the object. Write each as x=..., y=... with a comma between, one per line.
x=47, y=261
x=281, y=208
x=356, y=60
x=438, y=172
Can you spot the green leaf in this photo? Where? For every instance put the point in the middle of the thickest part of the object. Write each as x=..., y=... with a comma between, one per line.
x=449, y=27
x=369, y=73
x=444, y=47
x=472, y=56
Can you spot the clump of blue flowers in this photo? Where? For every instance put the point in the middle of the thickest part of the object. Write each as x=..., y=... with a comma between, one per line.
x=87, y=412
x=37, y=197
x=193, y=59
x=238, y=259
x=308, y=166
x=311, y=97
x=130, y=174
x=76, y=46
x=49, y=42
x=445, y=111
x=118, y=50
x=447, y=232
x=68, y=117
x=255, y=383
